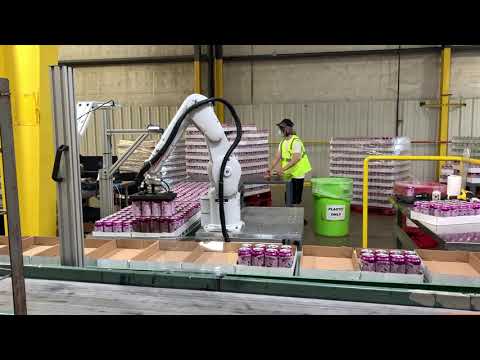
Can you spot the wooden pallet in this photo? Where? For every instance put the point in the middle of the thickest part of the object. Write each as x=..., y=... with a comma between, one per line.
x=374, y=210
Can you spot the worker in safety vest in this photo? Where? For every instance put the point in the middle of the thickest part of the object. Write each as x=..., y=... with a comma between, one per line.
x=291, y=162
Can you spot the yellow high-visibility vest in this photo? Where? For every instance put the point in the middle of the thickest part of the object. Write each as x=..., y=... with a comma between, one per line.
x=301, y=167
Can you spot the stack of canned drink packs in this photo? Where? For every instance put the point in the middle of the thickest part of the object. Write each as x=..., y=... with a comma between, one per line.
x=266, y=255
x=390, y=261
x=157, y=216
x=252, y=152
x=462, y=146
x=346, y=160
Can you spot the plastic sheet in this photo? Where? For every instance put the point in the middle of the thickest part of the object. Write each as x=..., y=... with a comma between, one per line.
x=347, y=155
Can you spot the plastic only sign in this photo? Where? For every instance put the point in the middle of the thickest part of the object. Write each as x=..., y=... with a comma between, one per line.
x=335, y=212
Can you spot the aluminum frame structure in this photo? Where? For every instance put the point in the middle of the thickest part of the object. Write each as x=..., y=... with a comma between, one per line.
x=67, y=172
x=11, y=199
x=108, y=170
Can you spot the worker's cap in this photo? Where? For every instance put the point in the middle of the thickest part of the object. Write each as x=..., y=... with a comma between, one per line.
x=285, y=123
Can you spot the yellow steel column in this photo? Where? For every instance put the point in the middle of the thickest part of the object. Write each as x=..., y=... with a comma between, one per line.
x=197, y=72
x=3, y=73
x=444, y=104
x=219, y=108
x=26, y=66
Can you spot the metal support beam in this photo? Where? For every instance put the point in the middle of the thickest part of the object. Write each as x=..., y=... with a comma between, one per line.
x=70, y=217
x=127, y=61
x=12, y=206
x=444, y=105
x=211, y=71
x=219, y=108
x=127, y=154
x=105, y=180
x=197, y=72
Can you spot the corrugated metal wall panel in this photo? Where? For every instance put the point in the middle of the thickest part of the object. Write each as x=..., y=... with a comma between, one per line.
x=420, y=123
x=316, y=121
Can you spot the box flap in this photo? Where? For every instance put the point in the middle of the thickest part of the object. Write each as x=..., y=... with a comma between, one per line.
x=103, y=250
x=443, y=255
x=53, y=251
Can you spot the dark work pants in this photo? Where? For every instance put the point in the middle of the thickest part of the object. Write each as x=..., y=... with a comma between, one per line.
x=293, y=192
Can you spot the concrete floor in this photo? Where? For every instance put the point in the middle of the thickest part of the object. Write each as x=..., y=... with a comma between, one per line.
x=380, y=226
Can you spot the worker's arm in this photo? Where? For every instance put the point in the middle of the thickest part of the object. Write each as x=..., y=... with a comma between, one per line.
x=295, y=159
x=275, y=161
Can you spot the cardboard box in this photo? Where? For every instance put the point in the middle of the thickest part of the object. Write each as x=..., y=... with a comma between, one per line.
x=42, y=250
x=163, y=255
x=390, y=277
x=211, y=256
x=218, y=256
x=451, y=267
x=116, y=254
x=90, y=245
x=329, y=262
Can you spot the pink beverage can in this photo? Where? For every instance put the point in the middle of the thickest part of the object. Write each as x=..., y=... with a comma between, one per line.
x=137, y=208
x=171, y=224
x=146, y=209
x=382, y=263
x=367, y=251
x=156, y=208
x=285, y=258
x=168, y=208
x=98, y=226
x=163, y=225
x=155, y=224
x=136, y=225
x=128, y=226
x=273, y=246
x=367, y=262
x=397, y=264
x=117, y=226
x=380, y=251
x=247, y=246
x=145, y=224
x=258, y=256
x=476, y=208
x=108, y=226
x=271, y=258
x=244, y=256
x=263, y=246
x=395, y=252
x=288, y=247
x=413, y=264
x=409, y=252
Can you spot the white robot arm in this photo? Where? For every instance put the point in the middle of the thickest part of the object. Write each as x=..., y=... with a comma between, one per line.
x=207, y=123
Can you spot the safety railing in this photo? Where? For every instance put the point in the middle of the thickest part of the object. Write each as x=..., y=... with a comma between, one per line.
x=397, y=157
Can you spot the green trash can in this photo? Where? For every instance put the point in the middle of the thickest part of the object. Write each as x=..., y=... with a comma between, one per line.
x=331, y=205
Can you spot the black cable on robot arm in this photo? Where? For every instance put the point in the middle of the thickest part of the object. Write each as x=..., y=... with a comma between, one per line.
x=230, y=150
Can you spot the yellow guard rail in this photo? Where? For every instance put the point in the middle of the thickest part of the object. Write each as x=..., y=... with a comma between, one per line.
x=397, y=157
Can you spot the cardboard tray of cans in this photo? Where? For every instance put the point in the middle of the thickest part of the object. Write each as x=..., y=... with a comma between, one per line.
x=389, y=277
x=216, y=256
x=459, y=268
x=329, y=262
x=448, y=220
